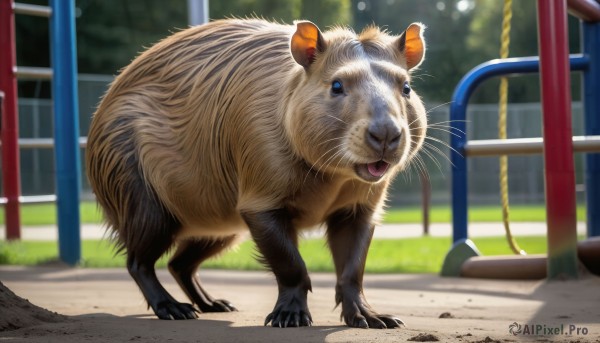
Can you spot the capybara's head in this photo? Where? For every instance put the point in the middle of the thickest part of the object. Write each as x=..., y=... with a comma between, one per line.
x=354, y=112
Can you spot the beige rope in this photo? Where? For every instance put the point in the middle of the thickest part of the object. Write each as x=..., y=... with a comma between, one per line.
x=505, y=43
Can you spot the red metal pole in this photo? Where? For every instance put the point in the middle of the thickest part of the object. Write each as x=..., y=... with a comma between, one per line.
x=586, y=10
x=558, y=147
x=10, y=122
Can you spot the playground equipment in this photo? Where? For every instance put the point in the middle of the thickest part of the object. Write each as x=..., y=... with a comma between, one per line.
x=558, y=146
x=66, y=119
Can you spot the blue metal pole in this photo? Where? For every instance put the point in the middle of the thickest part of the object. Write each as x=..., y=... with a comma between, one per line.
x=458, y=115
x=66, y=128
x=197, y=12
x=591, y=105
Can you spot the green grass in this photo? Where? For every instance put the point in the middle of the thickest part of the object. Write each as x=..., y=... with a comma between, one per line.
x=45, y=214
x=411, y=255
x=442, y=214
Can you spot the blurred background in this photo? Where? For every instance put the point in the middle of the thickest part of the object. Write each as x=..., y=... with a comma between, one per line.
x=460, y=35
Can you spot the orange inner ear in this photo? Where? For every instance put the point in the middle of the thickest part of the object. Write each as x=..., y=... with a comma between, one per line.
x=304, y=43
x=414, y=47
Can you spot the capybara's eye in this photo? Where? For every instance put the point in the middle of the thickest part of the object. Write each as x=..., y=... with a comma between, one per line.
x=337, y=88
x=406, y=88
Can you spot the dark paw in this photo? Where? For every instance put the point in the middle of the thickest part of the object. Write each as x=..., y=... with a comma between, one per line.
x=372, y=320
x=220, y=305
x=284, y=319
x=169, y=310
x=291, y=310
x=357, y=313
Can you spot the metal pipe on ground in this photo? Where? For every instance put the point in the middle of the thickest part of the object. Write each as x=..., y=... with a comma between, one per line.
x=531, y=267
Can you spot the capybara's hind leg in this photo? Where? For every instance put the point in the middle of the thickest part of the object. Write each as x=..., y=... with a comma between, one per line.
x=183, y=266
x=162, y=303
x=150, y=234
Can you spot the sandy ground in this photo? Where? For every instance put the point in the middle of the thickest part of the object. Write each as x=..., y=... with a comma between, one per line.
x=104, y=305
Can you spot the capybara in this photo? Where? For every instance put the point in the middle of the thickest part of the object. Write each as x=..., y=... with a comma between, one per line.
x=246, y=125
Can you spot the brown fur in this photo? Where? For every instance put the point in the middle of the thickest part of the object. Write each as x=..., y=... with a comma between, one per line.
x=219, y=120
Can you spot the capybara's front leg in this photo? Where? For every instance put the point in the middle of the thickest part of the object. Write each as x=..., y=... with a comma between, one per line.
x=349, y=234
x=277, y=242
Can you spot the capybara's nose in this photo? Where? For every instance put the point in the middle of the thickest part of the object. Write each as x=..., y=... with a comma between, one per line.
x=383, y=136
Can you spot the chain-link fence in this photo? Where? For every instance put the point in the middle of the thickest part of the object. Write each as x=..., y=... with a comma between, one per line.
x=526, y=179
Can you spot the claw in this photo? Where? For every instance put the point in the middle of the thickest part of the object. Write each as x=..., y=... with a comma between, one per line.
x=362, y=323
x=268, y=319
x=306, y=320
x=286, y=320
x=399, y=321
x=230, y=306
x=391, y=321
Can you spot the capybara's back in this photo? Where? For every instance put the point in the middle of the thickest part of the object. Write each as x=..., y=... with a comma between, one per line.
x=166, y=139
x=246, y=125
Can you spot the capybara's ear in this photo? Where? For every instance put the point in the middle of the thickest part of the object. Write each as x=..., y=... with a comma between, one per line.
x=412, y=45
x=306, y=41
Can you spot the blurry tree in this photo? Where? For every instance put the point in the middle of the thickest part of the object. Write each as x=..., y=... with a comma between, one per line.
x=327, y=13
x=280, y=10
x=484, y=40
x=322, y=12
x=460, y=34
x=446, y=59
x=110, y=33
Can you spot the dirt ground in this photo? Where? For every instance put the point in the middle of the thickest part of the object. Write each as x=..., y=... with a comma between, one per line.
x=104, y=305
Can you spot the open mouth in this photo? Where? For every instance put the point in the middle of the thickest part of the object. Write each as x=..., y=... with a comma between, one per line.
x=373, y=171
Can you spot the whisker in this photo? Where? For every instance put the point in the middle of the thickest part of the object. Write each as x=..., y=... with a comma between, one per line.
x=412, y=122
x=441, y=142
x=432, y=148
x=435, y=160
x=440, y=125
x=340, y=160
x=417, y=167
x=328, y=159
x=317, y=161
x=336, y=118
x=438, y=106
x=422, y=167
x=443, y=130
x=329, y=140
x=331, y=159
x=451, y=121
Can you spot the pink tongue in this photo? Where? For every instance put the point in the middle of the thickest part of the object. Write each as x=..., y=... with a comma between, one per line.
x=377, y=169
